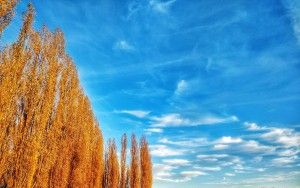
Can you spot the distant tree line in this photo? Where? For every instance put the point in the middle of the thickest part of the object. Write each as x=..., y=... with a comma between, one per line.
x=49, y=136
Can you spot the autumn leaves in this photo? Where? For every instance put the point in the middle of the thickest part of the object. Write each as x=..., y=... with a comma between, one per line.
x=138, y=174
x=49, y=136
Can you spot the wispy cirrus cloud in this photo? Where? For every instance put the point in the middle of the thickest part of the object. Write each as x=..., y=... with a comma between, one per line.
x=161, y=7
x=136, y=113
x=123, y=45
x=191, y=174
x=165, y=172
x=175, y=120
x=251, y=126
x=294, y=12
x=209, y=169
x=160, y=150
x=249, y=146
x=153, y=130
x=178, y=162
x=280, y=161
x=182, y=86
x=192, y=142
x=285, y=136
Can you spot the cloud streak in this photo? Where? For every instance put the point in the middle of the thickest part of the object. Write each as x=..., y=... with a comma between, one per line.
x=176, y=120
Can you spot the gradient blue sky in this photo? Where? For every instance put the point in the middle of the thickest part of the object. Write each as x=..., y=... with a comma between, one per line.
x=214, y=84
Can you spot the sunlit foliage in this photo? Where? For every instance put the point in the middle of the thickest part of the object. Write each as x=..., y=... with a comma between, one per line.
x=49, y=136
x=123, y=161
x=135, y=164
x=146, y=164
x=6, y=12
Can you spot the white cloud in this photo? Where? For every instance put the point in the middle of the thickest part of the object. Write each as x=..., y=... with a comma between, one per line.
x=162, y=170
x=165, y=172
x=284, y=136
x=251, y=146
x=261, y=169
x=181, y=87
x=169, y=120
x=268, y=178
x=136, y=113
x=232, y=160
x=123, y=45
x=209, y=169
x=284, y=160
x=178, y=162
x=229, y=140
x=253, y=126
x=161, y=7
x=229, y=174
x=294, y=12
x=220, y=146
x=212, y=157
x=288, y=152
x=153, y=130
x=165, y=151
x=176, y=120
x=193, y=142
x=192, y=174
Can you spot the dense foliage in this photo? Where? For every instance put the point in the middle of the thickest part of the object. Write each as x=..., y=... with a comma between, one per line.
x=49, y=136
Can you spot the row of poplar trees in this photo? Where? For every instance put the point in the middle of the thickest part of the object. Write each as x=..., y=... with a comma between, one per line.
x=49, y=136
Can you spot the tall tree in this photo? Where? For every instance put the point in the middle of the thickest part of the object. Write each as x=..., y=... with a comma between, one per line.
x=135, y=164
x=6, y=13
x=123, y=161
x=111, y=167
x=51, y=137
x=146, y=164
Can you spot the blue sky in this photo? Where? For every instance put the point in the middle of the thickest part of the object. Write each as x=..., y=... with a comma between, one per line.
x=213, y=84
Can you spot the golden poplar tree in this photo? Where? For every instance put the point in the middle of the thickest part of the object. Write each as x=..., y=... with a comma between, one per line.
x=146, y=164
x=49, y=136
x=123, y=161
x=6, y=12
x=112, y=173
x=127, y=182
x=135, y=164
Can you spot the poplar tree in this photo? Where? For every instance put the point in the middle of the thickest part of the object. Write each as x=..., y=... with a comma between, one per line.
x=6, y=13
x=146, y=164
x=112, y=174
x=123, y=161
x=135, y=164
x=49, y=136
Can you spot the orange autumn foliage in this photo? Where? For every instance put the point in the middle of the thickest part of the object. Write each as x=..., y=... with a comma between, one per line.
x=146, y=164
x=123, y=161
x=111, y=172
x=6, y=12
x=49, y=135
x=135, y=164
